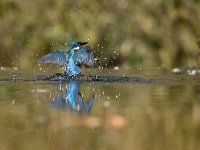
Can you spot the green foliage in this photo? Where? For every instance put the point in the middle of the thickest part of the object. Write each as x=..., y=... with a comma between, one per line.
x=144, y=33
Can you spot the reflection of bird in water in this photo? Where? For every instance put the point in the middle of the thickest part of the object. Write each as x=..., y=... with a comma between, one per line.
x=73, y=99
x=77, y=55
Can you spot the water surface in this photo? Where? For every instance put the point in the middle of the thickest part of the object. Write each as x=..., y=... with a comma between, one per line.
x=39, y=115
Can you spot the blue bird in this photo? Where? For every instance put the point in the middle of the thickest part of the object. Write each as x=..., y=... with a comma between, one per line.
x=77, y=55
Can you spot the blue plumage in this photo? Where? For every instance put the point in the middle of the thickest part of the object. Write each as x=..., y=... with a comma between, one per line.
x=57, y=57
x=84, y=56
x=77, y=55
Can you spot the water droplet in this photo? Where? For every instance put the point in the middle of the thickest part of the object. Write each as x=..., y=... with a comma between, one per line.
x=13, y=102
x=14, y=77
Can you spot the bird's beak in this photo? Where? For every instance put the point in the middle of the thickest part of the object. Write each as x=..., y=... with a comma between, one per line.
x=79, y=45
x=83, y=43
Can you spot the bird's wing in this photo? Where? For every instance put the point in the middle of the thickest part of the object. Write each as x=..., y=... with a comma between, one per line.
x=57, y=57
x=84, y=56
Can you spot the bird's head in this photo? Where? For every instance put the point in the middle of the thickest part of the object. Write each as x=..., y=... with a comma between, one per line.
x=75, y=45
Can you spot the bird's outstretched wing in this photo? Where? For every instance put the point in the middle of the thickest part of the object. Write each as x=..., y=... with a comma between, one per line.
x=84, y=56
x=57, y=57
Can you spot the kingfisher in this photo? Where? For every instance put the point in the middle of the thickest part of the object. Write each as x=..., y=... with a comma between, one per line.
x=78, y=54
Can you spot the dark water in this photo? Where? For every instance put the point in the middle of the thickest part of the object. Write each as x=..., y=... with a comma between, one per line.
x=97, y=115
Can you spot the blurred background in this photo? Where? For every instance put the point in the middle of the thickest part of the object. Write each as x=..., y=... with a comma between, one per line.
x=128, y=33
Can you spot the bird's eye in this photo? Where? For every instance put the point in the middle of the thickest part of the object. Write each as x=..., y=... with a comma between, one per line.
x=79, y=45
